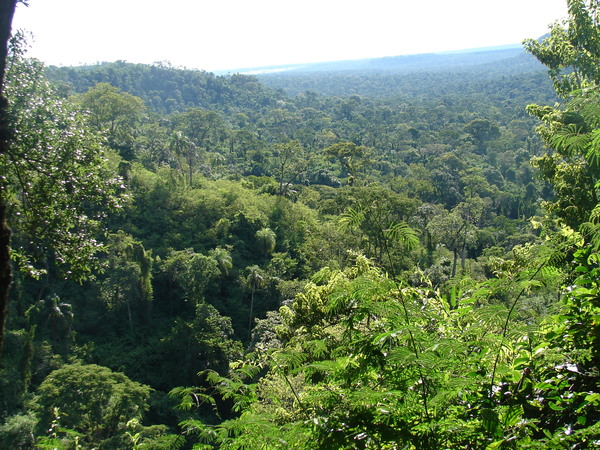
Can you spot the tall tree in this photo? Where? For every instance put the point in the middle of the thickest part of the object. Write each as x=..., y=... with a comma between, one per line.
x=115, y=112
x=351, y=157
x=94, y=400
x=256, y=279
x=7, y=11
x=203, y=129
x=482, y=130
x=266, y=240
x=571, y=130
x=291, y=162
x=55, y=184
x=128, y=280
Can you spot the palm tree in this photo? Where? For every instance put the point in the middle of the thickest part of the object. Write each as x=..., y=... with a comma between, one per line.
x=224, y=263
x=223, y=258
x=182, y=146
x=256, y=279
x=53, y=313
x=266, y=240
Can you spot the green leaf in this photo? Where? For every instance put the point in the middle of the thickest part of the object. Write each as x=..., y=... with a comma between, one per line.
x=512, y=416
x=553, y=406
x=490, y=419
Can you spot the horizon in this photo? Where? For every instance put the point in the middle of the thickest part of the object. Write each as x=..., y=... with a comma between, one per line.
x=75, y=33
x=283, y=67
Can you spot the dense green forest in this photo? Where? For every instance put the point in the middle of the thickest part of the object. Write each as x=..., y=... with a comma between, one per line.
x=322, y=260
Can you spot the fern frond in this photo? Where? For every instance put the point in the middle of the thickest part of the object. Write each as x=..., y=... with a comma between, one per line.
x=593, y=152
x=592, y=229
x=326, y=367
x=521, y=333
x=401, y=232
x=316, y=348
x=352, y=218
x=491, y=317
x=447, y=347
x=340, y=302
x=289, y=360
x=190, y=398
x=248, y=371
x=588, y=107
x=206, y=433
x=168, y=441
x=369, y=289
x=571, y=139
x=595, y=214
x=214, y=378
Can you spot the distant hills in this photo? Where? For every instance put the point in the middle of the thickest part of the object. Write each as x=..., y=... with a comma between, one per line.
x=512, y=57
x=506, y=73
x=484, y=70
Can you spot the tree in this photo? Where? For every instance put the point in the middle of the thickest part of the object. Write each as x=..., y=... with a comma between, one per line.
x=223, y=258
x=115, y=112
x=128, y=279
x=201, y=128
x=152, y=146
x=193, y=272
x=377, y=218
x=7, y=11
x=55, y=181
x=572, y=130
x=256, y=279
x=93, y=400
x=291, y=162
x=456, y=229
x=266, y=239
x=352, y=157
x=198, y=341
x=224, y=262
x=52, y=313
x=572, y=50
x=482, y=130
x=183, y=147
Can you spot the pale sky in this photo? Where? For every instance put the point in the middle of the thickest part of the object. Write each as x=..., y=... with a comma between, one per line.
x=233, y=34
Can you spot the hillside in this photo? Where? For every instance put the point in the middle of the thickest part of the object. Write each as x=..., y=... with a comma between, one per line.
x=412, y=75
x=502, y=73
x=426, y=62
x=376, y=254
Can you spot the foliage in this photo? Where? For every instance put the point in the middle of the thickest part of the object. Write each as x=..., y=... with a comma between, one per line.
x=115, y=113
x=128, y=281
x=411, y=305
x=571, y=54
x=193, y=272
x=571, y=50
x=368, y=363
x=57, y=180
x=93, y=401
x=18, y=431
x=205, y=340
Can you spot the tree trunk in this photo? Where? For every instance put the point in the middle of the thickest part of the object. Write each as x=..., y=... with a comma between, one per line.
x=7, y=10
x=5, y=266
x=129, y=316
x=251, y=313
x=454, y=262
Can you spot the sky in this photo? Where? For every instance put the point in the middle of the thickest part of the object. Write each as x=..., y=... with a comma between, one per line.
x=220, y=35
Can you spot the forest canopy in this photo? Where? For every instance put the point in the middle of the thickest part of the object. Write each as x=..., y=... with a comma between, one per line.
x=206, y=261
